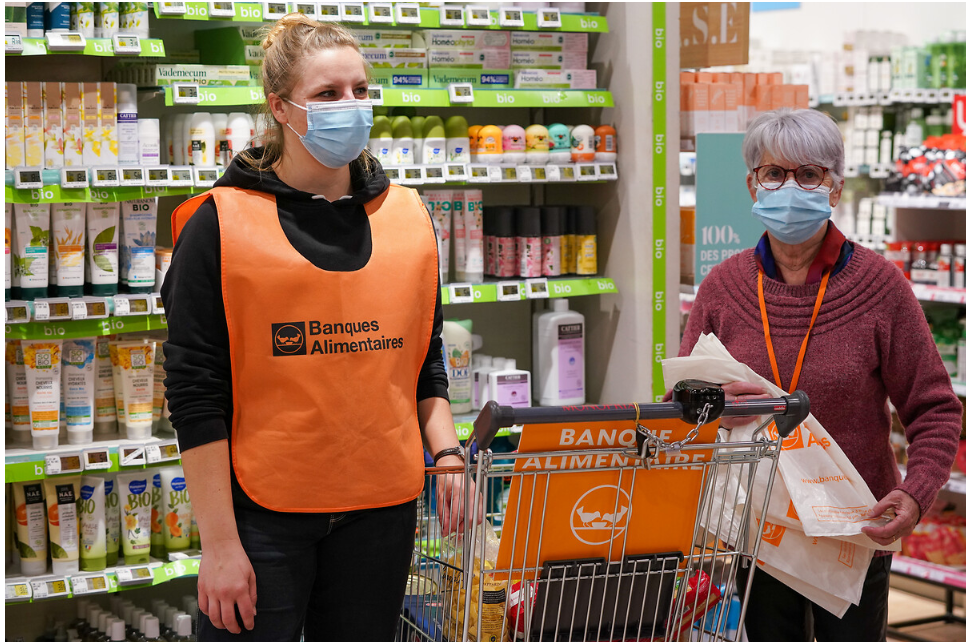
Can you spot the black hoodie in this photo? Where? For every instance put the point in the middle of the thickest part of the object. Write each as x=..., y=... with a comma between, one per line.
x=333, y=236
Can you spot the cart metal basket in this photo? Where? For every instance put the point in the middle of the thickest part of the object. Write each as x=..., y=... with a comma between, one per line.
x=627, y=522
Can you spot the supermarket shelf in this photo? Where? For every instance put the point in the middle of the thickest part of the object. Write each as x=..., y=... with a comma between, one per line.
x=892, y=97
x=464, y=426
x=520, y=290
x=940, y=295
x=429, y=18
x=529, y=98
x=150, y=48
x=923, y=202
x=944, y=576
x=80, y=328
x=877, y=170
x=26, y=464
x=57, y=194
x=21, y=589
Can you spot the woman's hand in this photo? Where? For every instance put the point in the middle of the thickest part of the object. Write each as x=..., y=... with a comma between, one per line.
x=449, y=502
x=906, y=517
x=225, y=580
x=732, y=391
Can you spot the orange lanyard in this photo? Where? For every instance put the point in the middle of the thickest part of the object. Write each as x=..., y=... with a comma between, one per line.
x=771, y=349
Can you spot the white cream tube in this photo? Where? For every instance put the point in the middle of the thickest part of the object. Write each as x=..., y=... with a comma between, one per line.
x=93, y=527
x=17, y=393
x=78, y=384
x=28, y=499
x=31, y=246
x=136, y=360
x=176, y=509
x=118, y=386
x=62, y=494
x=105, y=406
x=69, y=226
x=102, y=258
x=473, y=233
x=41, y=359
x=135, y=495
x=139, y=222
x=112, y=517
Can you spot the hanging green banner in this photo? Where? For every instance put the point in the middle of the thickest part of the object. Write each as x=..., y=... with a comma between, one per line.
x=659, y=204
x=86, y=327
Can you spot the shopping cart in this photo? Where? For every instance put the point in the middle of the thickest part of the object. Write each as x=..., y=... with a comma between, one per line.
x=625, y=522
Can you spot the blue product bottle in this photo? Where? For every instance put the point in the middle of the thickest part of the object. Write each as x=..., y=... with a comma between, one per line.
x=559, y=144
x=35, y=20
x=57, y=16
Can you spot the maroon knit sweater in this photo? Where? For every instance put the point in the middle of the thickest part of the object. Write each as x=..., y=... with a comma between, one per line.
x=870, y=342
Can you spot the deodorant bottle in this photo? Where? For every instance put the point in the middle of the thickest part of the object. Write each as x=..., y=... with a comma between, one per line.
x=434, y=141
x=606, y=142
x=514, y=145
x=538, y=145
x=559, y=144
x=380, y=139
x=582, y=144
x=402, y=141
x=490, y=147
x=558, y=356
x=457, y=140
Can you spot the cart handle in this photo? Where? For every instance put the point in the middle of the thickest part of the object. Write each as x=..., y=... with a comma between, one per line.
x=788, y=411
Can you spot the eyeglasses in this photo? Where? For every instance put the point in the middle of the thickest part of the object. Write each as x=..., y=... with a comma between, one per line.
x=808, y=177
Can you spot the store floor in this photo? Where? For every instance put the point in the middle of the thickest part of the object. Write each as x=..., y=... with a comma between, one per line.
x=906, y=606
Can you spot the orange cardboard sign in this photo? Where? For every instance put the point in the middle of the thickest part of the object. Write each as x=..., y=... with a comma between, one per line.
x=561, y=507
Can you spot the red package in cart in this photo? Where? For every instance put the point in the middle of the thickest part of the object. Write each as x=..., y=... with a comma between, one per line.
x=700, y=597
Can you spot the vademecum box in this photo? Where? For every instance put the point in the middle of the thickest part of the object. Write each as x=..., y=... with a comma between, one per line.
x=383, y=38
x=543, y=41
x=210, y=75
x=469, y=39
x=548, y=60
x=91, y=107
x=469, y=59
x=33, y=129
x=395, y=58
x=107, y=122
x=53, y=125
x=73, y=125
x=555, y=79
x=13, y=122
x=442, y=77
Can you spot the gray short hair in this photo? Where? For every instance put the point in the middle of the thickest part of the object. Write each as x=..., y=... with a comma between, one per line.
x=802, y=136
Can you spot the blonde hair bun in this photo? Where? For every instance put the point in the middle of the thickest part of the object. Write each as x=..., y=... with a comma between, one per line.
x=289, y=22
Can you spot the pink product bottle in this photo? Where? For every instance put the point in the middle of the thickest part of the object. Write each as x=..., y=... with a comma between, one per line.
x=503, y=233
x=514, y=145
x=529, y=242
x=551, y=226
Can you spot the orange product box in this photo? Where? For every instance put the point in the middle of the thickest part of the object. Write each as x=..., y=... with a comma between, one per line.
x=687, y=109
x=731, y=108
x=783, y=96
x=801, y=96
x=702, y=107
x=716, y=109
x=763, y=79
x=777, y=78
x=688, y=76
x=762, y=96
x=704, y=76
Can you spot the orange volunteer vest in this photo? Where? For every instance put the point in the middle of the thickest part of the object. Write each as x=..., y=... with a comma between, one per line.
x=324, y=364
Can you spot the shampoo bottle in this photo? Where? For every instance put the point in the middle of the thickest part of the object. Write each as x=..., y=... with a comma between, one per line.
x=149, y=142
x=202, y=142
x=559, y=144
x=434, y=141
x=127, y=124
x=558, y=355
x=380, y=140
x=490, y=145
x=538, y=145
x=551, y=226
x=510, y=386
x=402, y=141
x=220, y=122
x=457, y=140
x=238, y=132
x=529, y=242
x=458, y=347
x=514, y=145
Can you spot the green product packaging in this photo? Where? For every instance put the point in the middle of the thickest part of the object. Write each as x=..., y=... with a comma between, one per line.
x=408, y=112
x=176, y=509
x=442, y=77
x=456, y=127
x=157, y=532
x=230, y=46
x=136, y=504
x=112, y=518
x=93, y=528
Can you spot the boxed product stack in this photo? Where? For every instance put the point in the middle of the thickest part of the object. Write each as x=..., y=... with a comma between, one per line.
x=481, y=58
x=864, y=65
x=868, y=141
x=550, y=61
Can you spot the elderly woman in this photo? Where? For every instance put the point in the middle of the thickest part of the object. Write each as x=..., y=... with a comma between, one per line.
x=812, y=311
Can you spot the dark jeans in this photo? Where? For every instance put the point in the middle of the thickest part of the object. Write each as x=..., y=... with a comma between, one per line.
x=332, y=576
x=777, y=613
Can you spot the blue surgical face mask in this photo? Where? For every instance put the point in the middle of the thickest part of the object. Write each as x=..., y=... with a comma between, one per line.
x=793, y=215
x=337, y=131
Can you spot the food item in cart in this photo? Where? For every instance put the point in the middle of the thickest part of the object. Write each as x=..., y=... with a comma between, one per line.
x=491, y=621
x=700, y=597
x=517, y=608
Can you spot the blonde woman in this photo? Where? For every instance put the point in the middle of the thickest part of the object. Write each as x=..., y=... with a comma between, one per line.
x=304, y=366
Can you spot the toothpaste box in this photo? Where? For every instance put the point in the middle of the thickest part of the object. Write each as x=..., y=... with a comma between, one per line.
x=548, y=60
x=401, y=78
x=395, y=58
x=555, y=79
x=469, y=59
x=384, y=38
x=441, y=77
x=543, y=41
x=466, y=39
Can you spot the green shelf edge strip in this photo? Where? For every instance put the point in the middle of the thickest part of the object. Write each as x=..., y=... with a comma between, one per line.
x=529, y=98
x=58, y=194
x=429, y=19
x=104, y=47
x=86, y=327
x=559, y=289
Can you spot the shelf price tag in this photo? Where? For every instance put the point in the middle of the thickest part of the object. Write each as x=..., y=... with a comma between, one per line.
x=452, y=17
x=65, y=40
x=122, y=306
x=274, y=10
x=131, y=456
x=41, y=311
x=133, y=575
x=568, y=173
x=478, y=16
x=549, y=19
x=537, y=289
x=329, y=12
x=511, y=17
x=127, y=44
x=540, y=175
x=90, y=584
x=375, y=94
x=47, y=588
x=524, y=173
x=106, y=177
x=12, y=44
x=185, y=93
x=494, y=173
x=205, y=176
x=586, y=172
x=455, y=172
x=433, y=174
x=18, y=592
x=392, y=173
x=181, y=177
x=63, y=463
x=380, y=12
x=353, y=12
x=408, y=14
x=17, y=312
x=132, y=177
x=96, y=308
x=157, y=176
x=157, y=305
x=460, y=293
x=307, y=9
x=28, y=178
x=607, y=171
x=508, y=291
x=412, y=174
x=509, y=173
x=59, y=309
x=97, y=459
x=165, y=451
x=479, y=174
x=221, y=9
x=552, y=173
x=74, y=178
x=172, y=8
x=132, y=304
x=78, y=310
x=460, y=92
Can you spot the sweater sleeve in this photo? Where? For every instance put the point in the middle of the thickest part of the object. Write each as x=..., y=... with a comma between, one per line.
x=919, y=387
x=197, y=361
